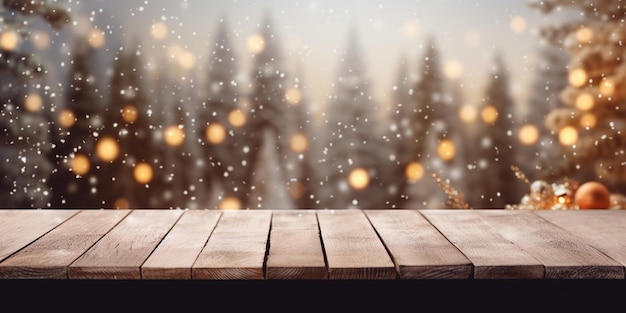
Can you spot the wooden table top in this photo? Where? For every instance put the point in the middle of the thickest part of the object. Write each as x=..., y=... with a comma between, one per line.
x=384, y=244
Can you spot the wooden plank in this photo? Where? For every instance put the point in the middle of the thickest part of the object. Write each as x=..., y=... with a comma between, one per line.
x=492, y=255
x=19, y=228
x=564, y=255
x=417, y=248
x=295, y=246
x=237, y=248
x=121, y=252
x=50, y=256
x=603, y=229
x=175, y=255
x=353, y=249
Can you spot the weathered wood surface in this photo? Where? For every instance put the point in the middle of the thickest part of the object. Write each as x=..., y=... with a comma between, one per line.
x=381, y=244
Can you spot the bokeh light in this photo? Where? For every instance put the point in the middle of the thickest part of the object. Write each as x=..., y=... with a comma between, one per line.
x=215, y=133
x=607, y=87
x=489, y=114
x=40, y=40
x=256, y=43
x=96, y=38
x=528, y=134
x=453, y=69
x=80, y=164
x=174, y=136
x=9, y=39
x=230, y=203
x=33, y=102
x=568, y=135
x=159, y=30
x=143, y=173
x=299, y=143
x=359, y=178
x=585, y=101
x=66, y=118
x=468, y=113
x=293, y=96
x=414, y=171
x=577, y=77
x=129, y=114
x=584, y=34
x=121, y=204
x=588, y=120
x=446, y=149
x=518, y=24
x=296, y=190
x=107, y=149
x=236, y=118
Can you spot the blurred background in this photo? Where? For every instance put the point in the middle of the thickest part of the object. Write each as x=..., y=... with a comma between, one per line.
x=306, y=104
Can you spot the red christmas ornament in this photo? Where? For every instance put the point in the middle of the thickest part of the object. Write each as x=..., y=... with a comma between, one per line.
x=592, y=195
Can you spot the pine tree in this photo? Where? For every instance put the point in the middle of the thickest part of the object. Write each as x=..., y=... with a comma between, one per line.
x=354, y=174
x=74, y=180
x=267, y=117
x=24, y=164
x=590, y=124
x=497, y=146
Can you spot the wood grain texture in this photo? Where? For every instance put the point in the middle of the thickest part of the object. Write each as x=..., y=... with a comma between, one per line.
x=605, y=230
x=19, y=228
x=418, y=249
x=295, y=246
x=564, y=255
x=122, y=251
x=353, y=249
x=237, y=248
x=492, y=255
x=50, y=256
x=175, y=255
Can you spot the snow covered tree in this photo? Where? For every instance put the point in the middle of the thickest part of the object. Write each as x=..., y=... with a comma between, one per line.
x=494, y=182
x=354, y=172
x=591, y=123
x=265, y=131
x=24, y=148
x=220, y=119
x=73, y=182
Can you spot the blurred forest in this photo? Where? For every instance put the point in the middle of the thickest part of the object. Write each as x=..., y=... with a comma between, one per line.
x=155, y=138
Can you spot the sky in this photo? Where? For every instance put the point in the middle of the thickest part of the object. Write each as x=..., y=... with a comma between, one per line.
x=314, y=32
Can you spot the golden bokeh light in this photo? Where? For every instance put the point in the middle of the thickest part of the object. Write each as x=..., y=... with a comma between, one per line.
x=158, y=30
x=256, y=43
x=121, y=204
x=299, y=143
x=33, y=102
x=577, y=77
x=293, y=96
x=80, y=164
x=489, y=114
x=607, y=87
x=588, y=120
x=230, y=203
x=143, y=173
x=453, y=69
x=568, y=135
x=96, y=38
x=585, y=101
x=359, y=178
x=9, y=39
x=584, y=34
x=296, y=190
x=186, y=60
x=40, y=40
x=67, y=118
x=518, y=24
x=107, y=149
x=528, y=134
x=129, y=114
x=236, y=118
x=215, y=133
x=446, y=149
x=414, y=171
x=468, y=113
x=174, y=136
